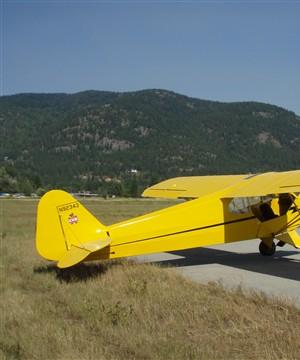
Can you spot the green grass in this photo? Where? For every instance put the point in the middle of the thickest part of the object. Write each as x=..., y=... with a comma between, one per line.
x=124, y=310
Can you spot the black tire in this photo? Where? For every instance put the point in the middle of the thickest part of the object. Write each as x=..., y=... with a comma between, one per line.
x=265, y=250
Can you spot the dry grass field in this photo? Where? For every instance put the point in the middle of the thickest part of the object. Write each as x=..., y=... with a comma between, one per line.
x=124, y=310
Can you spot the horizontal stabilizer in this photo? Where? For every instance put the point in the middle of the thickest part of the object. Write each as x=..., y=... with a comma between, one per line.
x=78, y=254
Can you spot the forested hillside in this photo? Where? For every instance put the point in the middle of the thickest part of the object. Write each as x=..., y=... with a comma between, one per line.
x=97, y=140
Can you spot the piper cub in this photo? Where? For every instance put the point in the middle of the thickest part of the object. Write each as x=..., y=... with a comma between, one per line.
x=222, y=209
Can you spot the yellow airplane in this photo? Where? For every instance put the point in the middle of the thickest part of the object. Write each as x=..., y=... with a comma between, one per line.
x=222, y=209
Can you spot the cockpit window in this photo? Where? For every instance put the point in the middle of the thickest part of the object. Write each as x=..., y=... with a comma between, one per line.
x=242, y=205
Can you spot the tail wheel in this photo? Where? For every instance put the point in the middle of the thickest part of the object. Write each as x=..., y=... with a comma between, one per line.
x=266, y=250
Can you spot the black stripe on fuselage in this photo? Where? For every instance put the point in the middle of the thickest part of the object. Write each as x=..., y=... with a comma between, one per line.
x=188, y=230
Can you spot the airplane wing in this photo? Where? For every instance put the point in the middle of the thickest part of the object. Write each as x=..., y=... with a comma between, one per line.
x=233, y=185
x=271, y=183
x=191, y=186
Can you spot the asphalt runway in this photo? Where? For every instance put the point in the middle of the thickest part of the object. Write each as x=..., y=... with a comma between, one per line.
x=239, y=264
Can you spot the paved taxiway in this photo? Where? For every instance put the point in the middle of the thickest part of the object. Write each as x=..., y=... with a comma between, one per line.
x=239, y=264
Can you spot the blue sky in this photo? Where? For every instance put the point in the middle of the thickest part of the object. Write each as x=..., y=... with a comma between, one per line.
x=219, y=50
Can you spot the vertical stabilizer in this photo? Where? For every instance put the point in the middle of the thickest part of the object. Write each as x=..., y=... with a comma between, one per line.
x=66, y=231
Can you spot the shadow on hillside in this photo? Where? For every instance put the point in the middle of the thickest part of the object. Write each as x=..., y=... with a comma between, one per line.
x=77, y=273
x=279, y=265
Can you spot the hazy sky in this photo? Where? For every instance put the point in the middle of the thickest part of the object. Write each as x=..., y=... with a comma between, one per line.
x=219, y=50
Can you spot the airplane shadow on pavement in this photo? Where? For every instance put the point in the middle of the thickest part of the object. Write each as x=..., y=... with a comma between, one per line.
x=278, y=265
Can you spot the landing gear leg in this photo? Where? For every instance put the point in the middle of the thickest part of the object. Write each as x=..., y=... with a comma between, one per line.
x=267, y=247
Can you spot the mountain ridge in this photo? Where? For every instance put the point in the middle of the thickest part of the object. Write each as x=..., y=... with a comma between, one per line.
x=90, y=138
x=119, y=93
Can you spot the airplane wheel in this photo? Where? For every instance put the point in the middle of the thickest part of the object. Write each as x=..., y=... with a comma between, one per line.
x=265, y=250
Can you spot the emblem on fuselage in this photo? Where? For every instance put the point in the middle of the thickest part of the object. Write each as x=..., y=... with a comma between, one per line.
x=73, y=219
